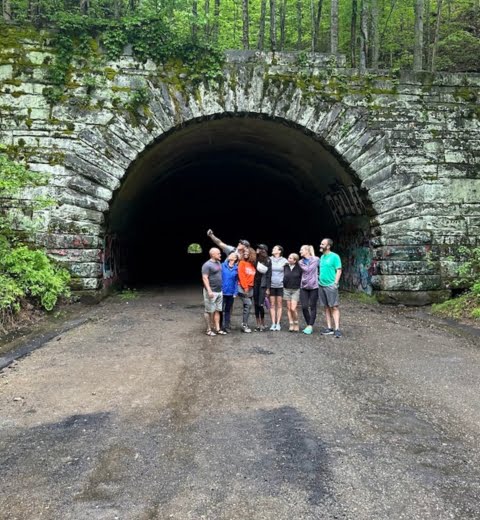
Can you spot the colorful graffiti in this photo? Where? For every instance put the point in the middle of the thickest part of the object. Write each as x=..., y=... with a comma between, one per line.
x=359, y=265
x=111, y=261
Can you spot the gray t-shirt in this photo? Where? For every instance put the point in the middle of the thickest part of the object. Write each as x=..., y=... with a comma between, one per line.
x=214, y=271
x=277, y=271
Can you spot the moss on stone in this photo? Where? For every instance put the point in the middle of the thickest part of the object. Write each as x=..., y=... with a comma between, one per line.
x=114, y=88
x=109, y=73
x=468, y=94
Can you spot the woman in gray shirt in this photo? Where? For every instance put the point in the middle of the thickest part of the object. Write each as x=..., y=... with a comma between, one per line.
x=276, y=286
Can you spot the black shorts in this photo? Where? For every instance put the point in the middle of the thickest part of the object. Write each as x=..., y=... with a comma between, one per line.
x=276, y=291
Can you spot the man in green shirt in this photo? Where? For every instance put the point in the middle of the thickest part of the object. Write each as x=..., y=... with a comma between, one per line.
x=328, y=278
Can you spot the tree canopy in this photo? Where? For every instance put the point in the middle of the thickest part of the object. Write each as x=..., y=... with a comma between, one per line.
x=426, y=34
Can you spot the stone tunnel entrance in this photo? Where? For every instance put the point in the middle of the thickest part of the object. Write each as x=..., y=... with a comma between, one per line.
x=246, y=176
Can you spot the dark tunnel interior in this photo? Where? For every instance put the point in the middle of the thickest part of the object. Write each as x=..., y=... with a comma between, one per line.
x=243, y=177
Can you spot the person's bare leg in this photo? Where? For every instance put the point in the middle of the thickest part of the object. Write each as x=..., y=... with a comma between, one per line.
x=216, y=319
x=279, y=309
x=208, y=320
x=272, y=309
x=290, y=315
x=336, y=317
x=328, y=317
x=294, y=305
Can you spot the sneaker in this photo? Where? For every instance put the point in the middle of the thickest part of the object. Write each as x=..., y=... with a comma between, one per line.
x=258, y=329
x=273, y=326
x=246, y=328
x=308, y=329
x=337, y=334
x=278, y=327
x=326, y=331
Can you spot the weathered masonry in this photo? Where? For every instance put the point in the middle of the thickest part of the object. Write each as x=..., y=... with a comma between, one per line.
x=390, y=167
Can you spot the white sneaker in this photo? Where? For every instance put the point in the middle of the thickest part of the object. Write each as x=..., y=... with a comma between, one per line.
x=278, y=327
x=246, y=328
x=273, y=326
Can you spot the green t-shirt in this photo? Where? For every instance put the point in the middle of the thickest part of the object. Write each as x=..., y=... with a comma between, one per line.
x=329, y=264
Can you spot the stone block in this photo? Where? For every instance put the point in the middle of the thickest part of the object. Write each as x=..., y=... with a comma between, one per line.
x=76, y=255
x=407, y=282
x=87, y=284
x=85, y=269
x=412, y=298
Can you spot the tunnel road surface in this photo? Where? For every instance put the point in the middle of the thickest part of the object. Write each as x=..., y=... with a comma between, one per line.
x=138, y=415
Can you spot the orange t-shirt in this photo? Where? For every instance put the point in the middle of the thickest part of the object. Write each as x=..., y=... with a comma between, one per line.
x=246, y=275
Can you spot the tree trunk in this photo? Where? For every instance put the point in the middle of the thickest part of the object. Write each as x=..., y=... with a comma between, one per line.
x=375, y=34
x=334, y=27
x=216, y=20
x=273, y=26
x=283, y=17
x=428, y=35
x=207, y=14
x=312, y=17
x=117, y=9
x=195, y=19
x=418, y=46
x=246, y=23
x=7, y=10
x=318, y=19
x=299, y=24
x=261, y=29
x=436, y=36
x=353, y=34
x=84, y=6
x=363, y=36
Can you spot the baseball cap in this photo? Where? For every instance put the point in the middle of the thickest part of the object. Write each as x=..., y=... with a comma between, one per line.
x=262, y=246
x=245, y=243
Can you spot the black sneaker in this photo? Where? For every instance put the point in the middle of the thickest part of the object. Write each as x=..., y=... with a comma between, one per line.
x=337, y=334
x=327, y=332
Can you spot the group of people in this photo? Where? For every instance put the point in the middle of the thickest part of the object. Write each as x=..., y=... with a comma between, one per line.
x=265, y=281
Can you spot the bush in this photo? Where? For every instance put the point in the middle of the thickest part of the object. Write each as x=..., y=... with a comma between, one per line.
x=467, y=305
x=27, y=274
x=459, y=52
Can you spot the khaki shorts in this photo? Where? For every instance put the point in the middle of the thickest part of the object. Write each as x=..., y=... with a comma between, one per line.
x=213, y=304
x=291, y=294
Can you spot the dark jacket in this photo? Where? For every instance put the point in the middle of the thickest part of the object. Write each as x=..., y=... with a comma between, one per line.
x=292, y=277
x=264, y=279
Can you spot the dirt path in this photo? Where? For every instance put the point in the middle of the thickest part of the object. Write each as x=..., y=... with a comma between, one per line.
x=137, y=415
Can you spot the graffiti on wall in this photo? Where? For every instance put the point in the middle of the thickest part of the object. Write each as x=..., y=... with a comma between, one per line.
x=359, y=266
x=111, y=261
x=344, y=201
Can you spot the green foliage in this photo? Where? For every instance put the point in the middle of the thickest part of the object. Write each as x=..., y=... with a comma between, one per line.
x=35, y=275
x=26, y=273
x=468, y=304
x=161, y=30
x=459, y=52
x=128, y=294
x=137, y=99
x=469, y=270
x=194, y=249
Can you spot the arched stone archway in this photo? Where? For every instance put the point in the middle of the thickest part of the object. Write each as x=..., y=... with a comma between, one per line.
x=266, y=179
x=408, y=146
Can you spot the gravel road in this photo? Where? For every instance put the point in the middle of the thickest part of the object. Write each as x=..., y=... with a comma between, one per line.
x=136, y=414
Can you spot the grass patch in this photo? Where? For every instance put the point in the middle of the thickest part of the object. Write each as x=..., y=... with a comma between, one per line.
x=464, y=306
x=361, y=297
x=128, y=294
